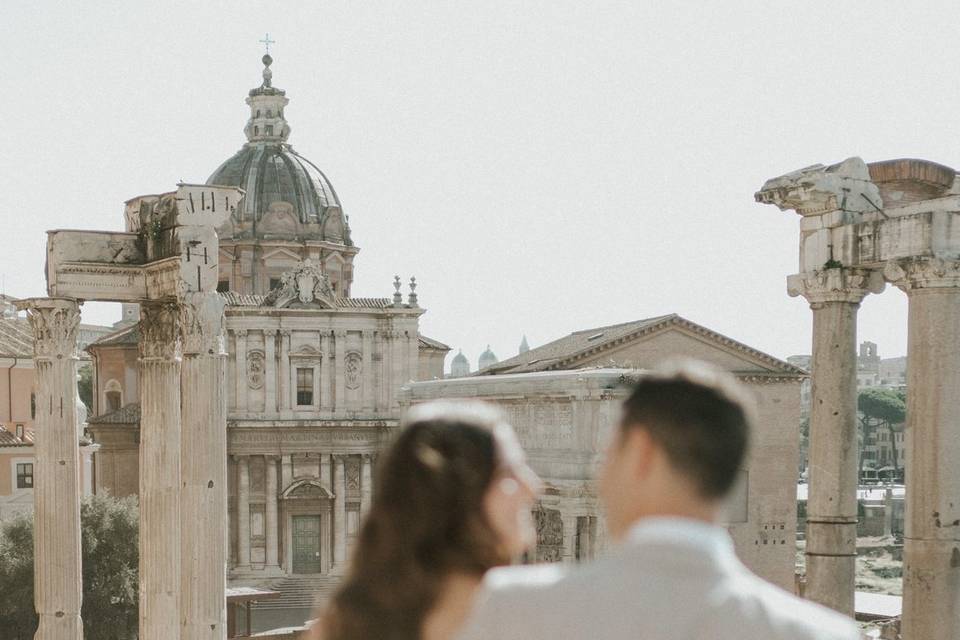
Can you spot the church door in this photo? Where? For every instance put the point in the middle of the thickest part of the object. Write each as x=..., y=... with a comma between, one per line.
x=306, y=544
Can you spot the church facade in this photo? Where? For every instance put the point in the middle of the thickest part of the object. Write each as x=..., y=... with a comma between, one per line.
x=313, y=372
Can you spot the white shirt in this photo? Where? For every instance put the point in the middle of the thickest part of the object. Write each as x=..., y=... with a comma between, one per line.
x=672, y=578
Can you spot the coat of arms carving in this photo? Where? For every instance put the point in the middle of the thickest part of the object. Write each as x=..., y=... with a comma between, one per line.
x=305, y=284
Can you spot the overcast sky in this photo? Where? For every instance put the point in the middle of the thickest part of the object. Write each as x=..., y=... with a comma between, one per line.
x=541, y=167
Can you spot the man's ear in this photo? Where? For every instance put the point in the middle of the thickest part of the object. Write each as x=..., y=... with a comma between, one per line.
x=638, y=450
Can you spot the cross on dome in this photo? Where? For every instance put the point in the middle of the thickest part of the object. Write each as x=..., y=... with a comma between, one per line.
x=267, y=42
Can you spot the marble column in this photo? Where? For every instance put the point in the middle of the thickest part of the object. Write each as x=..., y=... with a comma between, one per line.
x=834, y=296
x=931, y=550
x=325, y=386
x=270, y=514
x=286, y=471
x=160, y=433
x=243, y=513
x=325, y=471
x=270, y=370
x=286, y=390
x=569, y=538
x=203, y=468
x=241, y=381
x=366, y=483
x=58, y=587
x=367, y=393
x=340, y=514
x=340, y=394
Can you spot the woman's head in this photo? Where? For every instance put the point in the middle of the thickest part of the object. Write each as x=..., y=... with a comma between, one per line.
x=453, y=494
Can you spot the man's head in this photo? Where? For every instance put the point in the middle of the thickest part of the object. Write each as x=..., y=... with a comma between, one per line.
x=678, y=448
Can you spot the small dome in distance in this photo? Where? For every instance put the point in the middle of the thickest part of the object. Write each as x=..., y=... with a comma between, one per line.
x=460, y=366
x=487, y=358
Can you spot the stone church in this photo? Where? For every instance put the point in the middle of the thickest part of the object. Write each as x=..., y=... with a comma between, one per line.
x=313, y=372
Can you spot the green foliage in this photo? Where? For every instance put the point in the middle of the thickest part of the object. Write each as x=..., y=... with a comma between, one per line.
x=109, y=546
x=883, y=406
x=832, y=264
x=17, y=618
x=85, y=385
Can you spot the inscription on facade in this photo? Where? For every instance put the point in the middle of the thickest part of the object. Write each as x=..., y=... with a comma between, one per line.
x=542, y=425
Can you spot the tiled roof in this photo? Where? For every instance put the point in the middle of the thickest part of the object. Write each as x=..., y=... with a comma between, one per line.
x=566, y=352
x=127, y=335
x=129, y=414
x=10, y=439
x=430, y=343
x=16, y=338
x=235, y=299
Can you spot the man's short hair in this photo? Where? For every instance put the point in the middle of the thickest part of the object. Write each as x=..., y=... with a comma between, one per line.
x=701, y=418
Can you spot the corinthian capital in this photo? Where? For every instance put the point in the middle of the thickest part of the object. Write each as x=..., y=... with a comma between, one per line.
x=159, y=330
x=54, y=322
x=202, y=323
x=838, y=284
x=923, y=273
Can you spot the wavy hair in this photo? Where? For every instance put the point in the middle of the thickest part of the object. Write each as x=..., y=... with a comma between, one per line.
x=426, y=522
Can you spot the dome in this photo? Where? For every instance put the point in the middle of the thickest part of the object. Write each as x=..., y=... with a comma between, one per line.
x=271, y=173
x=460, y=365
x=287, y=196
x=487, y=358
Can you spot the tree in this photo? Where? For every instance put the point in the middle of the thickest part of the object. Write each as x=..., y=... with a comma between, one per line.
x=85, y=385
x=109, y=529
x=880, y=407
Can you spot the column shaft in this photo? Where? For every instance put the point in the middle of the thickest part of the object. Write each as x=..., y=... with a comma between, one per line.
x=397, y=379
x=931, y=569
x=413, y=357
x=57, y=572
x=243, y=513
x=159, y=471
x=325, y=387
x=270, y=515
x=340, y=513
x=285, y=387
x=241, y=381
x=832, y=506
x=203, y=469
x=368, y=399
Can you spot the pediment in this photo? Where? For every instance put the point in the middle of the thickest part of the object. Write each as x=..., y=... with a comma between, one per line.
x=282, y=254
x=306, y=489
x=680, y=338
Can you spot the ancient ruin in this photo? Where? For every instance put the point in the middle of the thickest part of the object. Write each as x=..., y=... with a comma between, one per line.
x=166, y=261
x=863, y=225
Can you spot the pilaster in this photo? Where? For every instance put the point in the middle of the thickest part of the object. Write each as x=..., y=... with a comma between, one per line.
x=325, y=386
x=340, y=514
x=366, y=483
x=270, y=515
x=367, y=391
x=285, y=391
x=56, y=494
x=340, y=397
x=241, y=381
x=243, y=513
x=270, y=382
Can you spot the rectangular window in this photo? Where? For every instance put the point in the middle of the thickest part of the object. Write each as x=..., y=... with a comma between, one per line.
x=24, y=475
x=223, y=286
x=274, y=283
x=304, y=387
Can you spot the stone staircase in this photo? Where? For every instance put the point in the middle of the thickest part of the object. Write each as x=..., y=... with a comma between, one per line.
x=300, y=592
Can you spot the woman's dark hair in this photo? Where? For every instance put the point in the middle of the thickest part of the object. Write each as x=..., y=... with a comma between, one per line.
x=426, y=522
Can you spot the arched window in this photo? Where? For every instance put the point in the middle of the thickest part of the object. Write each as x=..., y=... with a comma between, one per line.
x=256, y=131
x=113, y=396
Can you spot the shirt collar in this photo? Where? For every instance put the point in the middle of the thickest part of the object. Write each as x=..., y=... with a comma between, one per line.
x=697, y=534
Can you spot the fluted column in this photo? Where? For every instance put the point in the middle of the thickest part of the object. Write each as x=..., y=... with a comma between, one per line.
x=243, y=513
x=160, y=434
x=339, y=514
x=366, y=483
x=241, y=381
x=339, y=345
x=931, y=550
x=58, y=587
x=203, y=469
x=834, y=296
x=325, y=387
x=285, y=391
x=270, y=514
x=368, y=400
x=270, y=371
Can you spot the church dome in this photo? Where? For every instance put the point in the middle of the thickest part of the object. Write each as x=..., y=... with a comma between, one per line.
x=487, y=358
x=287, y=196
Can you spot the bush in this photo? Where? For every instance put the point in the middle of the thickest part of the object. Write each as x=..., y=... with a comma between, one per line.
x=109, y=528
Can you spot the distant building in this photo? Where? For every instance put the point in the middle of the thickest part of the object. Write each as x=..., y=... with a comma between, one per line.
x=487, y=359
x=524, y=347
x=460, y=366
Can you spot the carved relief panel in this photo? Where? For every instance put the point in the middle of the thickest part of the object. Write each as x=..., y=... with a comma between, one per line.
x=549, y=534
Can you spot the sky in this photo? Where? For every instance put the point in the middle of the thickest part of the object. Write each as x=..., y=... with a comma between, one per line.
x=540, y=167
